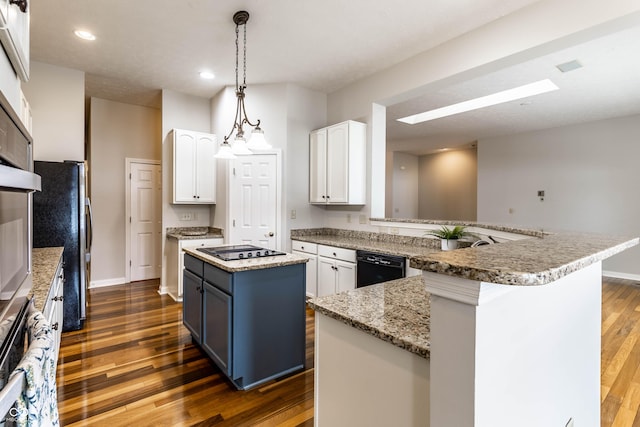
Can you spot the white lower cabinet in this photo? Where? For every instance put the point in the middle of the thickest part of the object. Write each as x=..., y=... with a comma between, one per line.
x=174, y=269
x=309, y=250
x=53, y=309
x=336, y=270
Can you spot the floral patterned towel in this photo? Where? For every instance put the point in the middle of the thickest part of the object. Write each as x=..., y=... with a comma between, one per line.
x=38, y=403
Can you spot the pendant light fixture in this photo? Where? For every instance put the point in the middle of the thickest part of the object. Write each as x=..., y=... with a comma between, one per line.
x=239, y=146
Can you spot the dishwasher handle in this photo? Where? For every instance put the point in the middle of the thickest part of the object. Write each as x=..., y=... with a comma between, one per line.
x=389, y=261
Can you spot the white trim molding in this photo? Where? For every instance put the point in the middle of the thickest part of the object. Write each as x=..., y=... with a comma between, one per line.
x=107, y=282
x=467, y=291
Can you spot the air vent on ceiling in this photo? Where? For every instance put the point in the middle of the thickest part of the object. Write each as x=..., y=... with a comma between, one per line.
x=569, y=66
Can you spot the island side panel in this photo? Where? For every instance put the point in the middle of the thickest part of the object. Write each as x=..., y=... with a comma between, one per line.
x=361, y=380
x=269, y=323
x=536, y=348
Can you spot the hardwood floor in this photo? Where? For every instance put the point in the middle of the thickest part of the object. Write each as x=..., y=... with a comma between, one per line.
x=134, y=364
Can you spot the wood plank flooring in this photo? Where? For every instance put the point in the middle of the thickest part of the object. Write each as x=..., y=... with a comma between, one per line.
x=134, y=364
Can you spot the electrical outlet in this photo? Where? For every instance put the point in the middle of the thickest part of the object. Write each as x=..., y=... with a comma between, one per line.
x=293, y=214
x=393, y=230
x=510, y=210
x=349, y=218
x=363, y=219
x=187, y=216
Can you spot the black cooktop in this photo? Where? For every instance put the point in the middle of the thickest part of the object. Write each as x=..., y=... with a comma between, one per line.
x=235, y=252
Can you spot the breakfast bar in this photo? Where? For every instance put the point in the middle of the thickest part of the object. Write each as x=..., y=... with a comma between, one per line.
x=496, y=335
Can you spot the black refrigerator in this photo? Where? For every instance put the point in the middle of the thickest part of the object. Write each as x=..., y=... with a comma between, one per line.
x=62, y=217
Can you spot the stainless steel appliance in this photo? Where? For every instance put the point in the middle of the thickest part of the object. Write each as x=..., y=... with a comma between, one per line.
x=60, y=218
x=17, y=182
x=372, y=268
x=235, y=252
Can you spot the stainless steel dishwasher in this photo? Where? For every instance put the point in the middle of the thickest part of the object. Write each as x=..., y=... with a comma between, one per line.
x=375, y=268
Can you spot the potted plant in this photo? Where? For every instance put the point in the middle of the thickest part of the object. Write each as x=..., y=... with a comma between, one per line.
x=449, y=236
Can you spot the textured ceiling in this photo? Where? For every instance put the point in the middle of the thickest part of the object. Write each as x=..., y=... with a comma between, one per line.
x=144, y=46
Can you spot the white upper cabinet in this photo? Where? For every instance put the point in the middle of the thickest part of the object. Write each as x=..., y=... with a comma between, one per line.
x=337, y=169
x=194, y=167
x=14, y=36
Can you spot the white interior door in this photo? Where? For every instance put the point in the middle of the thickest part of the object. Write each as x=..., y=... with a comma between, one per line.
x=146, y=221
x=254, y=199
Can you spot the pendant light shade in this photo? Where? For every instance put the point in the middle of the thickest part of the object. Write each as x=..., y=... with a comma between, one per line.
x=257, y=140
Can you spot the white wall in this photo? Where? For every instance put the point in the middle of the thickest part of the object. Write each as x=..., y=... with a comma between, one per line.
x=57, y=101
x=117, y=131
x=180, y=111
x=402, y=193
x=588, y=173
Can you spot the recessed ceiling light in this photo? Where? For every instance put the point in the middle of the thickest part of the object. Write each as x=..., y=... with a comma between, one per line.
x=84, y=35
x=519, y=92
x=207, y=75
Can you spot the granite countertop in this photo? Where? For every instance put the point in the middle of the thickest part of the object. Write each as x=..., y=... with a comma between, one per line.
x=532, y=261
x=193, y=233
x=488, y=226
x=248, y=264
x=44, y=264
x=397, y=311
x=391, y=244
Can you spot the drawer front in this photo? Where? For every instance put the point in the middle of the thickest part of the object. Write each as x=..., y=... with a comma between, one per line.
x=310, y=248
x=194, y=265
x=337, y=253
x=196, y=243
x=219, y=278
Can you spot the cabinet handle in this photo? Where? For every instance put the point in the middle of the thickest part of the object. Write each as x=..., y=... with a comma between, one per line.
x=60, y=276
x=323, y=197
x=55, y=326
x=334, y=254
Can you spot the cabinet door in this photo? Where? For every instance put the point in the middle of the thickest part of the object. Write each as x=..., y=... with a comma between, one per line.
x=338, y=163
x=318, y=166
x=345, y=276
x=217, y=327
x=326, y=276
x=191, y=243
x=205, y=168
x=192, y=304
x=184, y=154
x=312, y=272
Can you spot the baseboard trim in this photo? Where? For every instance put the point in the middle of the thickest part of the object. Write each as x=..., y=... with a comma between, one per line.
x=107, y=282
x=619, y=275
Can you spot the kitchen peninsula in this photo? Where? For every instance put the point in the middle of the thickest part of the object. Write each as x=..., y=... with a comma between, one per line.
x=248, y=315
x=497, y=335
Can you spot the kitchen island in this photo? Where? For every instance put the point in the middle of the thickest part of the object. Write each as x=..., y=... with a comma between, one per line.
x=499, y=335
x=248, y=315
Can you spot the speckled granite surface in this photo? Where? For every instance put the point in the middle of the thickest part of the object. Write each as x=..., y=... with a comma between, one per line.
x=391, y=244
x=192, y=233
x=248, y=264
x=44, y=264
x=534, y=261
x=397, y=311
x=497, y=227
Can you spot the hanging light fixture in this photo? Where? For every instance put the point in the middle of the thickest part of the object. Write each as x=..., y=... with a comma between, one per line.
x=239, y=146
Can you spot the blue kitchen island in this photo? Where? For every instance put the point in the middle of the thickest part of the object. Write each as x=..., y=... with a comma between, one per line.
x=247, y=315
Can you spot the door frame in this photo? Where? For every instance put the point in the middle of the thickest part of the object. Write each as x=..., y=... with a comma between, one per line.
x=280, y=243
x=127, y=184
